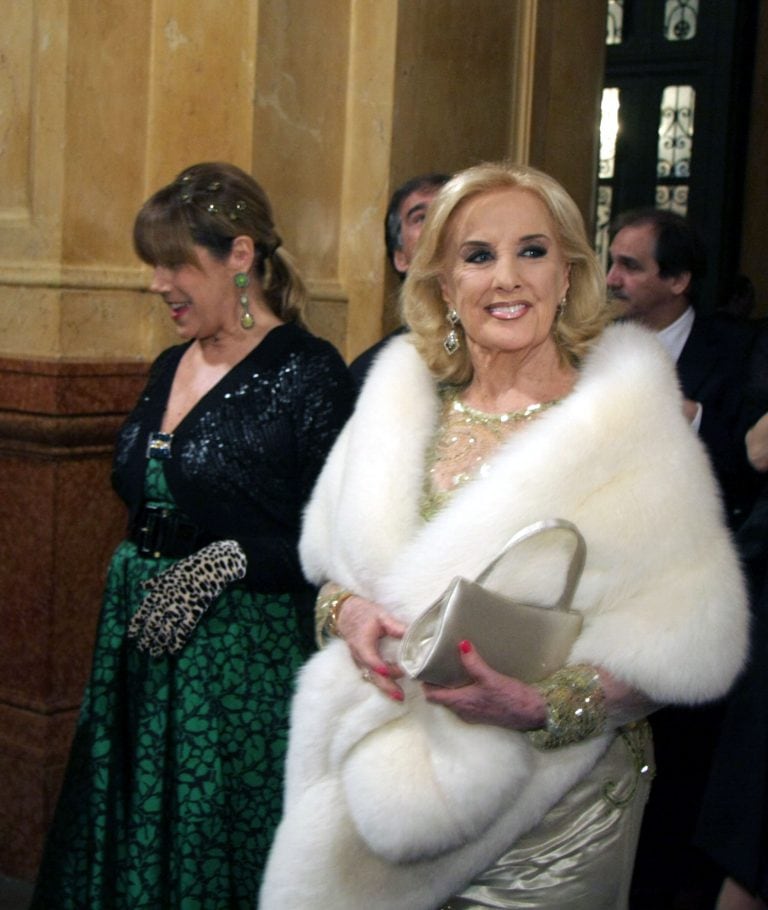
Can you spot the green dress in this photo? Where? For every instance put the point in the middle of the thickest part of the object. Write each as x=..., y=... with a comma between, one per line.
x=175, y=780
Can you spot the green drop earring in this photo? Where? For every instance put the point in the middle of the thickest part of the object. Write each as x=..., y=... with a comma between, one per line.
x=241, y=283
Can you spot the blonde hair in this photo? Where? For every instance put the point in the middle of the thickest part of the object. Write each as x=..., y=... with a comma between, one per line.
x=208, y=205
x=424, y=308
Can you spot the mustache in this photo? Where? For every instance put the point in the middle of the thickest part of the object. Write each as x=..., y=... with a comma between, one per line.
x=616, y=295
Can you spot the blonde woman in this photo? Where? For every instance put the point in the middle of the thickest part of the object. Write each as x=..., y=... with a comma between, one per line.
x=511, y=401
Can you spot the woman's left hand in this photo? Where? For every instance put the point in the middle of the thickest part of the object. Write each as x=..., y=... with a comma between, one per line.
x=491, y=697
x=177, y=597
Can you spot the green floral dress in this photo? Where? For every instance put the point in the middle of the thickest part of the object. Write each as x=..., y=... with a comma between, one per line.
x=175, y=780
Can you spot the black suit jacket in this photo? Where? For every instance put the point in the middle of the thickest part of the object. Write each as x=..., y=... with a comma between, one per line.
x=712, y=369
x=363, y=362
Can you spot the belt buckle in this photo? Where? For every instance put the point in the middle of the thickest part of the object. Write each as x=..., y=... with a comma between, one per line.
x=151, y=534
x=159, y=445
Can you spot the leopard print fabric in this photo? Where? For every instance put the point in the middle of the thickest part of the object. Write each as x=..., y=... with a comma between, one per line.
x=178, y=597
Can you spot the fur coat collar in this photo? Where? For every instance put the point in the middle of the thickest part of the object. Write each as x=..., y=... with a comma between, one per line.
x=391, y=805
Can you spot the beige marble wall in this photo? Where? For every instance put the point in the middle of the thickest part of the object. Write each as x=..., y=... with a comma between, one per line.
x=329, y=102
x=108, y=100
x=454, y=90
x=299, y=140
x=566, y=89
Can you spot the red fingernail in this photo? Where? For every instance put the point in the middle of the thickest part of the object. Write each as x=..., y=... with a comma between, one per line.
x=382, y=670
x=465, y=647
x=398, y=696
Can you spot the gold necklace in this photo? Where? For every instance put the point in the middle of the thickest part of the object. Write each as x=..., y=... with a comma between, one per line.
x=472, y=415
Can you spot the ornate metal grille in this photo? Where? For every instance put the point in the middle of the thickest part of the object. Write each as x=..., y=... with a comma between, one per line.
x=676, y=131
x=680, y=19
x=615, y=22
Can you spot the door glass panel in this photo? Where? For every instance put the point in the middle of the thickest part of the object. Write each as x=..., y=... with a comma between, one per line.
x=609, y=128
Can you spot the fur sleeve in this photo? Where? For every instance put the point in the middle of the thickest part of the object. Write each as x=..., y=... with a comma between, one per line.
x=320, y=514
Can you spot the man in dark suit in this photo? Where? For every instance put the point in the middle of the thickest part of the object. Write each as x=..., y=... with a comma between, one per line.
x=403, y=222
x=658, y=262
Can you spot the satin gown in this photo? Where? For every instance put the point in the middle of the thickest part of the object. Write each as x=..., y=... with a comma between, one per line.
x=580, y=856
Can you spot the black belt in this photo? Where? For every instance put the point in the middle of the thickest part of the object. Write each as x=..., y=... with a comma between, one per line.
x=159, y=531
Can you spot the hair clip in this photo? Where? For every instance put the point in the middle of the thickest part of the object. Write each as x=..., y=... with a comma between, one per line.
x=186, y=191
x=239, y=208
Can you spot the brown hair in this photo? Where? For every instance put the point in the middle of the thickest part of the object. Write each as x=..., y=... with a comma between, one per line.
x=423, y=306
x=209, y=205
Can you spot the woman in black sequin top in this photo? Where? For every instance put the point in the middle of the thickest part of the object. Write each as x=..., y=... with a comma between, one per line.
x=174, y=784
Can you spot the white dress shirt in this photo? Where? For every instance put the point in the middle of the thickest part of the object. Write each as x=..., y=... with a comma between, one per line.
x=673, y=338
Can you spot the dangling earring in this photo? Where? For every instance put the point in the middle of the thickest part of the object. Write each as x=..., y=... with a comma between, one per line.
x=241, y=282
x=452, y=342
x=561, y=306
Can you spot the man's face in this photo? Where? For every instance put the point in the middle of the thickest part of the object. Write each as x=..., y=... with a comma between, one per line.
x=413, y=211
x=634, y=279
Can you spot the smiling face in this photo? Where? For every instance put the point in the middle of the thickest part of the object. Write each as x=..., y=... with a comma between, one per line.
x=202, y=299
x=505, y=274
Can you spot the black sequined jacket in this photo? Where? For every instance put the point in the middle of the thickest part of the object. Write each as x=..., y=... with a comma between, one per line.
x=244, y=460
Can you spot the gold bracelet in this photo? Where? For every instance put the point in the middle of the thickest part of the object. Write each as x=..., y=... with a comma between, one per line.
x=575, y=707
x=334, y=611
x=327, y=610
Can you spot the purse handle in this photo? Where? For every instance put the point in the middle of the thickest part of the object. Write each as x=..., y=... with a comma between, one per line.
x=538, y=527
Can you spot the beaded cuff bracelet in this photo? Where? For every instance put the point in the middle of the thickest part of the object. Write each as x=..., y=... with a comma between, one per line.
x=575, y=707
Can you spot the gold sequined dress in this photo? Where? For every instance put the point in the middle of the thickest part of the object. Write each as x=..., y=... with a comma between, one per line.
x=580, y=856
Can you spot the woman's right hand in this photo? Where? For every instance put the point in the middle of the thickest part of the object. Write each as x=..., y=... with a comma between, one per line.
x=362, y=624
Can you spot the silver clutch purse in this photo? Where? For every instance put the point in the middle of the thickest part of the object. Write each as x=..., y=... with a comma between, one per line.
x=522, y=640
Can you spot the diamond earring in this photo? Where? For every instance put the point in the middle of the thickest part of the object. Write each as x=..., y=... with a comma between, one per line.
x=452, y=341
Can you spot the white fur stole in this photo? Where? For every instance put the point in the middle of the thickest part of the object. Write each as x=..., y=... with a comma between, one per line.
x=399, y=805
